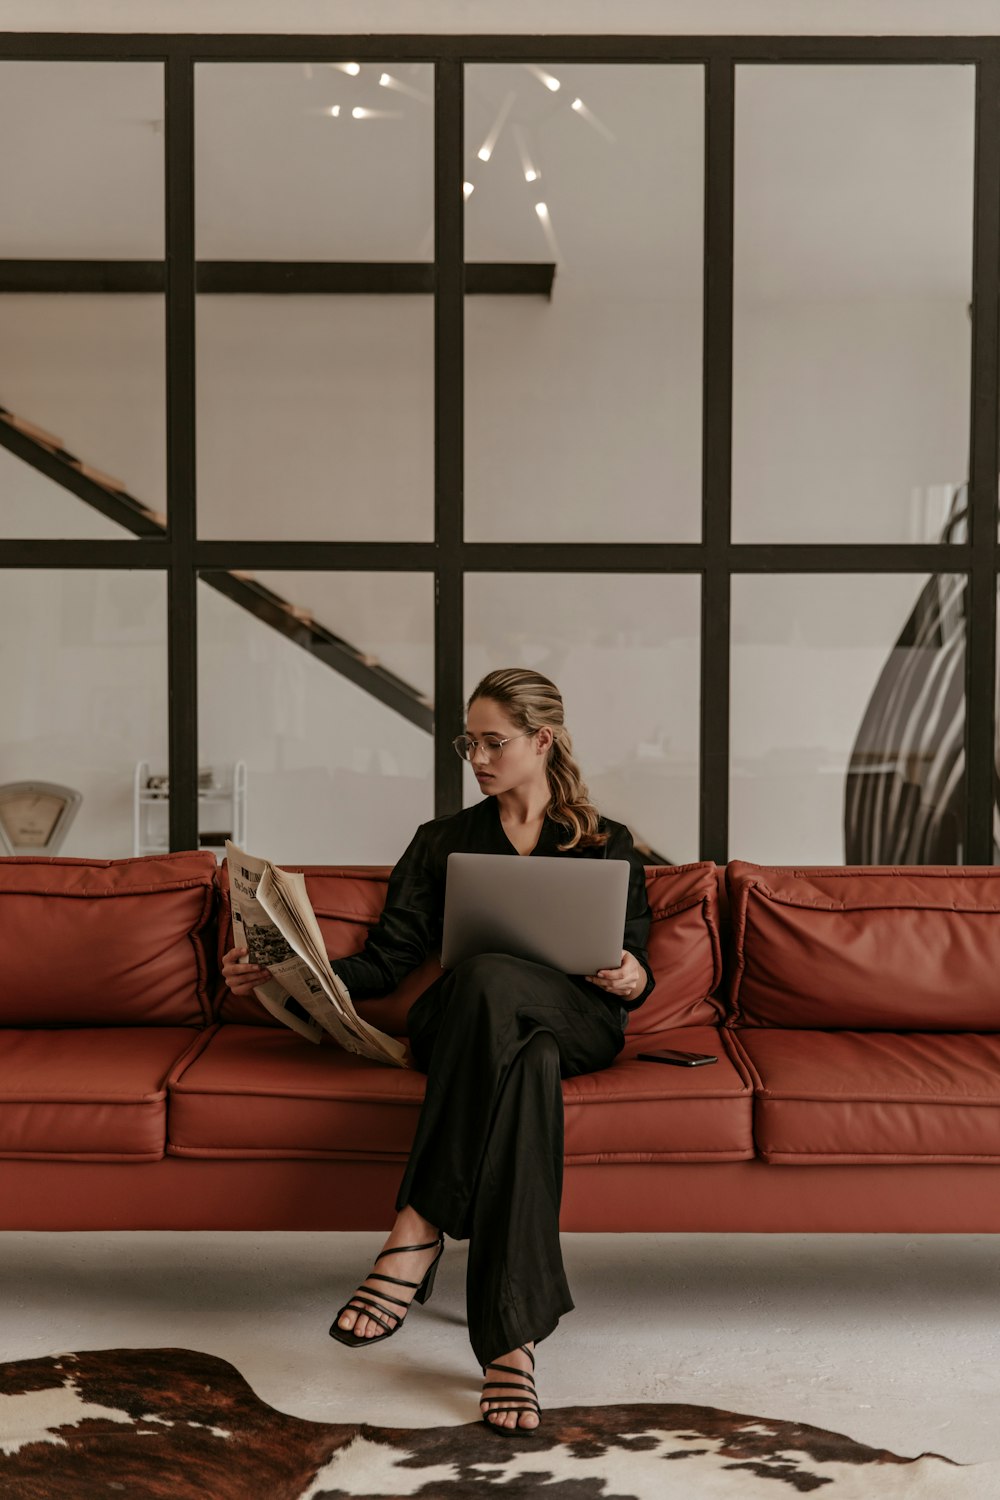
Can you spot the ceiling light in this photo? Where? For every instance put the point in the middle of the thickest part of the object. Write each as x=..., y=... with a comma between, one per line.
x=389, y=82
x=335, y=110
x=353, y=68
x=542, y=210
x=358, y=112
x=486, y=149
x=543, y=77
x=530, y=170
x=468, y=188
x=591, y=119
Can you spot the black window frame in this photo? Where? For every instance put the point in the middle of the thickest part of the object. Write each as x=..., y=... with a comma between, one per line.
x=183, y=557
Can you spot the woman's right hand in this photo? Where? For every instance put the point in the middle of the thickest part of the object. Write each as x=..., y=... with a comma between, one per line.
x=241, y=978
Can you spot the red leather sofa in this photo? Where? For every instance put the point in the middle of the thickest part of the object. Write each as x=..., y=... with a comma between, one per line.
x=855, y=1013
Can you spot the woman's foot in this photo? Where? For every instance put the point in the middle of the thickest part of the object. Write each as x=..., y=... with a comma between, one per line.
x=381, y=1285
x=509, y=1400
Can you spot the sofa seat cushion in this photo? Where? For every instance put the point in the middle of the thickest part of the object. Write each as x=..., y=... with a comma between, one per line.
x=88, y=1093
x=648, y=1112
x=869, y=1096
x=256, y=1092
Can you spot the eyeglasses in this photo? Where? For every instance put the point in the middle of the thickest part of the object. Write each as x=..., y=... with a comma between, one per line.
x=492, y=743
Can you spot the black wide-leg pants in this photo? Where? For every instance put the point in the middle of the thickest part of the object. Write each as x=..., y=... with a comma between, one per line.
x=495, y=1035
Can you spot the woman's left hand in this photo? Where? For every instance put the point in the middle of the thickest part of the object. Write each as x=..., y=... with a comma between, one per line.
x=625, y=982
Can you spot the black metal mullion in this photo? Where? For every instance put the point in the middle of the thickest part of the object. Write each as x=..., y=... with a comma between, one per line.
x=495, y=557
x=717, y=398
x=182, y=644
x=847, y=557
x=485, y=47
x=449, y=425
x=97, y=554
x=984, y=448
x=582, y=557
x=316, y=556
x=742, y=557
x=295, y=278
x=18, y=277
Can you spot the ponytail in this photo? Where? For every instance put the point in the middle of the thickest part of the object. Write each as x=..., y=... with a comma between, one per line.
x=571, y=804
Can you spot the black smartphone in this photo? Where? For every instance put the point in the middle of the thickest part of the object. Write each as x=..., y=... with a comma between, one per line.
x=681, y=1059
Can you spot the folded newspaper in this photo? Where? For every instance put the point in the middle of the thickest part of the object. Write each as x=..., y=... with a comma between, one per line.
x=274, y=920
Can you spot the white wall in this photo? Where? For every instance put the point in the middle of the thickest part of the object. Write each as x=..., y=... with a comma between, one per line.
x=701, y=17
x=845, y=416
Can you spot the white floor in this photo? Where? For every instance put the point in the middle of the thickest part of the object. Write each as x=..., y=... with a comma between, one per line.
x=892, y=1339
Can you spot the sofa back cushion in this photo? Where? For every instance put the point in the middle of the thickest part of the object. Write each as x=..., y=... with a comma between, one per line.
x=865, y=948
x=347, y=900
x=684, y=948
x=107, y=942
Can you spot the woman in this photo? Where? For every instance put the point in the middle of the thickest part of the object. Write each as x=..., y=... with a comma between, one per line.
x=494, y=1036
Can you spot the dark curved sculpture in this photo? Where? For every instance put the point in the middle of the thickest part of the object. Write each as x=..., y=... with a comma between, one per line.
x=904, y=801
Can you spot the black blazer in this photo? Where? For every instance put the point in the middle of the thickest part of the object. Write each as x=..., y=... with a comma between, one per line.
x=410, y=925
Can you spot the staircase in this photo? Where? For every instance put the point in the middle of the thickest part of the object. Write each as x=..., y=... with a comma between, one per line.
x=46, y=452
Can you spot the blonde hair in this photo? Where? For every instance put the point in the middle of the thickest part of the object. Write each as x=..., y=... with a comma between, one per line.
x=533, y=702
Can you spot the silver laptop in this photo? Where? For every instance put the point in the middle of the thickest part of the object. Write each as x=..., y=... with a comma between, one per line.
x=567, y=913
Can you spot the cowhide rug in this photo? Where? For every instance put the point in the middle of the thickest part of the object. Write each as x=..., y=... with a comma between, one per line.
x=172, y=1424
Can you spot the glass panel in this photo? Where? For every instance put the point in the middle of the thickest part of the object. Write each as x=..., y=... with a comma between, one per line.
x=316, y=418
x=83, y=372
x=83, y=675
x=32, y=505
x=624, y=652
x=86, y=179
x=334, y=774
x=280, y=177
x=853, y=265
x=316, y=410
x=583, y=410
x=848, y=719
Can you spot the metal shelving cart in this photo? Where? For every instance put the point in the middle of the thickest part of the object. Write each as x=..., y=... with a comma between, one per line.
x=222, y=808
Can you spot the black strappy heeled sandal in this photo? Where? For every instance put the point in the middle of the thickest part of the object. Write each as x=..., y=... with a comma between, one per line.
x=371, y=1308
x=527, y=1402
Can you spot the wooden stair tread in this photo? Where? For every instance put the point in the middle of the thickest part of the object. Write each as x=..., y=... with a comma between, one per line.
x=106, y=481
x=32, y=430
